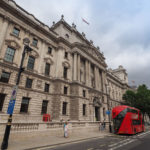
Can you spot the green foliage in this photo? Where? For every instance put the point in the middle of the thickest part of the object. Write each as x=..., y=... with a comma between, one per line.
x=139, y=99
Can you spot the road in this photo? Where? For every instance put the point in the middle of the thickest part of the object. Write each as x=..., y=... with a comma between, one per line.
x=112, y=142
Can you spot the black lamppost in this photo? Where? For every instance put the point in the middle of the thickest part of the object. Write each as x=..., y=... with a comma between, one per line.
x=109, y=117
x=4, y=145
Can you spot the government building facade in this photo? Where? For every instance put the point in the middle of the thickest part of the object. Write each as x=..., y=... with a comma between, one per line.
x=64, y=75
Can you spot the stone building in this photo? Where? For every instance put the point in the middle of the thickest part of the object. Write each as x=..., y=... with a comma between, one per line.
x=64, y=75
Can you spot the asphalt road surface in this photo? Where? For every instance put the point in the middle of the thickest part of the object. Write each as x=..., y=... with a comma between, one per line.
x=112, y=142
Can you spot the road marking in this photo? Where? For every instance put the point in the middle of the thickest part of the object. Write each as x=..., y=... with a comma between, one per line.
x=118, y=143
x=121, y=145
x=127, y=141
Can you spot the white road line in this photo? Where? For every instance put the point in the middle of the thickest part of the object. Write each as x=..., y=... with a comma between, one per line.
x=118, y=142
x=121, y=145
x=127, y=141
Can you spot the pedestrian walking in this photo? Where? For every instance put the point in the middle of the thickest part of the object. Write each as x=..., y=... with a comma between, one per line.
x=104, y=124
x=65, y=129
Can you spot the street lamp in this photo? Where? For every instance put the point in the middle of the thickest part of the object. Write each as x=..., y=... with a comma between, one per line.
x=4, y=145
x=109, y=117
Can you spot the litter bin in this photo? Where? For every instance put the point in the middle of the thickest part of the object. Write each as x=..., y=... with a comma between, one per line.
x=46, y=117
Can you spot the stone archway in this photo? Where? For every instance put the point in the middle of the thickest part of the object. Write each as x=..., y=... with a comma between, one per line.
x=96, y=105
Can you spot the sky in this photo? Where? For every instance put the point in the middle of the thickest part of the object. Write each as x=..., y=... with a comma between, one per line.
x=121, y=28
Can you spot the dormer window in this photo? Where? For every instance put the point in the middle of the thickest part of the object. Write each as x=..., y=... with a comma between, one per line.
x=16, y=31
x=34, y=42
x=49, y=50
x=66, y=55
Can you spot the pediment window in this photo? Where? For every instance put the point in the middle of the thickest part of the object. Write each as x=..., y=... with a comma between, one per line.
x=48, y=60
x=34, y=54
x=66, y=64
x=13, y=44
x=96, y=102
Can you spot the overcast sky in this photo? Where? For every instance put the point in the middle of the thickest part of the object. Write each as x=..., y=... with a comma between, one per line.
x=121, y=28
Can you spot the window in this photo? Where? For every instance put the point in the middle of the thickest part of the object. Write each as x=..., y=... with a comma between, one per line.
x=44, y=107
x=24, y=104
x=5, y=77
x=133, y=111
x=46, y=87
x=47, y=69
x=49, y=50
x=84, y=109
x=29, y=83
x=9, y=55
x=65, y=72
x=31, y=61
x=103, y=100
x=84, y=93
x=65, y=89
x=64, y=109
x=16, y=31
x=93, y=82
x=2, y=98
x=34, y=42
x=136, y=122
x=66, y=55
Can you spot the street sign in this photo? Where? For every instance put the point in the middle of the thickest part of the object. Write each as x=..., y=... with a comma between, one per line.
x=12, y=100
x=11, y=107
x=14, y=92
x=108, y=112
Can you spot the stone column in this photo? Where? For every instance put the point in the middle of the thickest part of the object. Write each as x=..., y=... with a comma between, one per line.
x=78, y=69
x=3, y=33
x=103, y=81
x=87, y=72
x=100, y=80
x=41, y=66
x=95, y=76
x=75, y=67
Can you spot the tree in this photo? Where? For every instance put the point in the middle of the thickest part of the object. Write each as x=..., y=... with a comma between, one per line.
x=139, y=99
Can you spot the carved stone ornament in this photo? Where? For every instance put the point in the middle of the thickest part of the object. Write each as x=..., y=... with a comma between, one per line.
x=66, y=64
x=12, y=43
x=48, y=60
x=34, y=53
x=96, y=102
x=39, y=84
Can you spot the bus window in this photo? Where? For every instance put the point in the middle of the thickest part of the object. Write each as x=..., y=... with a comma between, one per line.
x=132, y=111
x=136, y=122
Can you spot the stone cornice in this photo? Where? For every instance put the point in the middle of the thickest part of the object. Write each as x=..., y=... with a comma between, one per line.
x=88, y=44
x=70, y=29
x=45, y=77
x=114, y=78
x=29, y=19
x=89, y=88
x=100, y=58
x=90, y=58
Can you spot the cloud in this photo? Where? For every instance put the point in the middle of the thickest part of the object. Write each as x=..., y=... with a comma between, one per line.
x=120, y=28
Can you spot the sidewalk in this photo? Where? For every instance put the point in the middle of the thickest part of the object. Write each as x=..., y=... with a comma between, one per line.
x=24, y=141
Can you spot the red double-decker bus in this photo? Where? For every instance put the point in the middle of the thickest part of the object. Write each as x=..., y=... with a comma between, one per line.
x=127, y=120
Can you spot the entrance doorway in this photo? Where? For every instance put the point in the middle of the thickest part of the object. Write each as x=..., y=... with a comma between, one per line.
x=97, y=115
